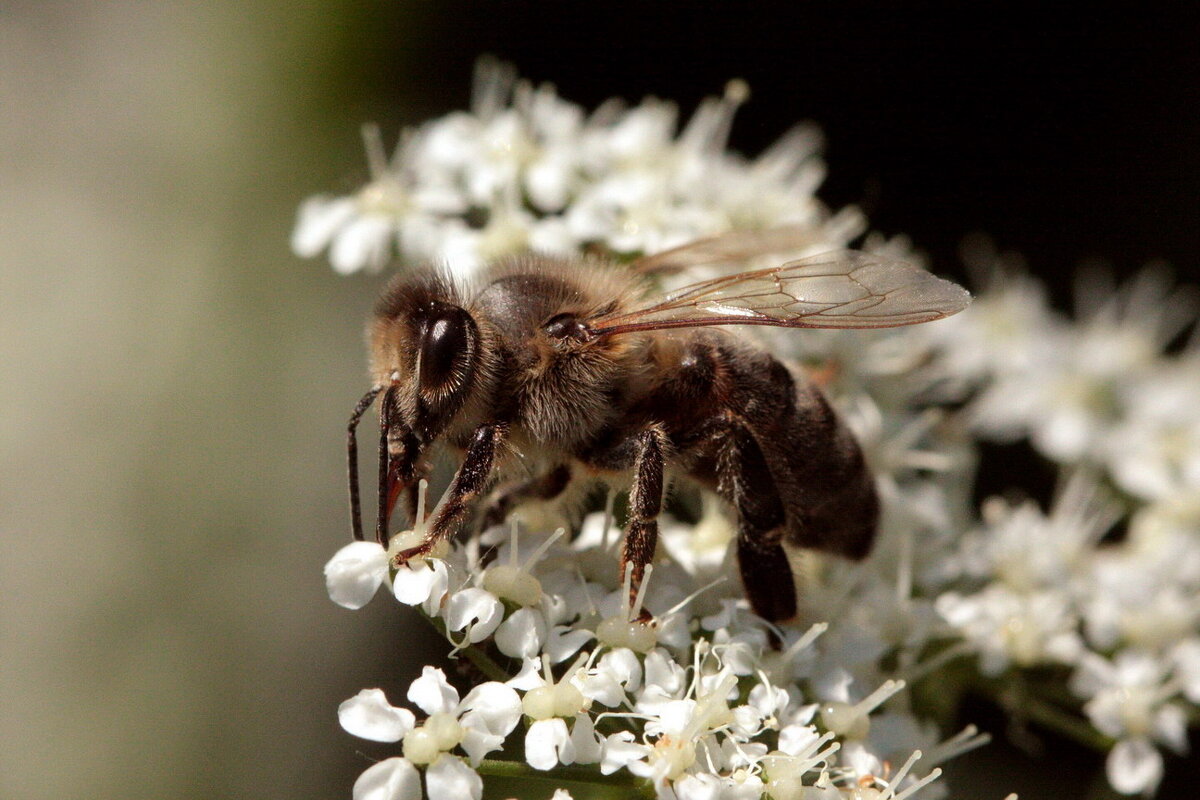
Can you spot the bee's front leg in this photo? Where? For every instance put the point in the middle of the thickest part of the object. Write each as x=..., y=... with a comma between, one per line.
x=405, y=468
x=399, y=464
x=472, y=479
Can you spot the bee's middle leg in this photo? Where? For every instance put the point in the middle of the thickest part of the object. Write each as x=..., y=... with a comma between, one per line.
x=646, y=452
x=645, y=504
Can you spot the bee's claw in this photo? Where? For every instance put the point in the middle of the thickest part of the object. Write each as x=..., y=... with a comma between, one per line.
x=404, y=556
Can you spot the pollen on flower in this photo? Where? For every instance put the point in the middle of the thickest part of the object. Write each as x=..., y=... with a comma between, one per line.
x=672, y=756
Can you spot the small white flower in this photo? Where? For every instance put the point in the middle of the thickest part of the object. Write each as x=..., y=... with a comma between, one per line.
x=368, y=715
x=1009, y=628
x=479, y=723
x=1134, y=766
x=475, y=611
x=355, y=572
x=551, y=705
x=390, y=779
x=450, y=777
x=1130, y=697
x=1131, y=701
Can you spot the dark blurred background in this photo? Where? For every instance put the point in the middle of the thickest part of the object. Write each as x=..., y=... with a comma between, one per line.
x=176, y=382
x=1065, y=136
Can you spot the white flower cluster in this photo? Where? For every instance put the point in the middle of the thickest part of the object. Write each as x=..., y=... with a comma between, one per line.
x=696, y=704
x=540, y=174
x=1100, y=399
x=1093, y=635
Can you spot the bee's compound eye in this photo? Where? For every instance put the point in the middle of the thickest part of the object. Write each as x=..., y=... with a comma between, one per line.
x=566, y=326
x=443, y=345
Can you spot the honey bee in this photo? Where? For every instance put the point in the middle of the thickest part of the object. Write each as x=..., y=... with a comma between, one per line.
x=546, y=371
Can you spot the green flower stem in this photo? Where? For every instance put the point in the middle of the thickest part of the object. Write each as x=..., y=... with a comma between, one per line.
x=582, y=782
x=479, y=659
x=1063, y=722
x=1022, y=700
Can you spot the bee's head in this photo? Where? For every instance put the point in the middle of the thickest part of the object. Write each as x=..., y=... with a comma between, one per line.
x=426, y=346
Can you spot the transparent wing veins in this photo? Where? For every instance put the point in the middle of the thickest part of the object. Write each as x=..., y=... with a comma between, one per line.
x=845, y=289
x=727, y=249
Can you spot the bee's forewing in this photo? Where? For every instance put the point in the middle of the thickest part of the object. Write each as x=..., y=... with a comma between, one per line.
x=844, y=289
x=735, y=247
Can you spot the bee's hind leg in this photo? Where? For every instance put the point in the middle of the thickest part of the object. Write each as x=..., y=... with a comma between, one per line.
x=744, y=480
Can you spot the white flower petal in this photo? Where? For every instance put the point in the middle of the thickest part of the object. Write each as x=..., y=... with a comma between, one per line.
x=602, y=687
x=522, y=634
x=662, y=672
x=1170, y=727
x=545, y=740
x=368, y=715
x=477, y=743
x=674, y=630
x=492, y=706
x=477, y=610
x=391, y=779
x=702, y=786
x=1134, y=766
x=450, y=777
x=432, y=693
x=355, y=572
x=673, y=717
x=363, y=243
x=747, y=721
x=584, y=740
x=416, y=583
x=530, y=676
x=620, y=750
x=563, y=642
x=624, y=666
x=795, y=739
x=318, y=220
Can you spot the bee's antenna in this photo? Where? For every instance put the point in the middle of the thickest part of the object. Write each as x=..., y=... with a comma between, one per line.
x=385, y=417
x=352, y=458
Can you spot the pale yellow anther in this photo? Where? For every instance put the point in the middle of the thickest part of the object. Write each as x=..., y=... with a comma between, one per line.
x=514, y=584
x=446, y=731
x=618, y=631
x=845, y=720
x=539, y=703
x=420, y=746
